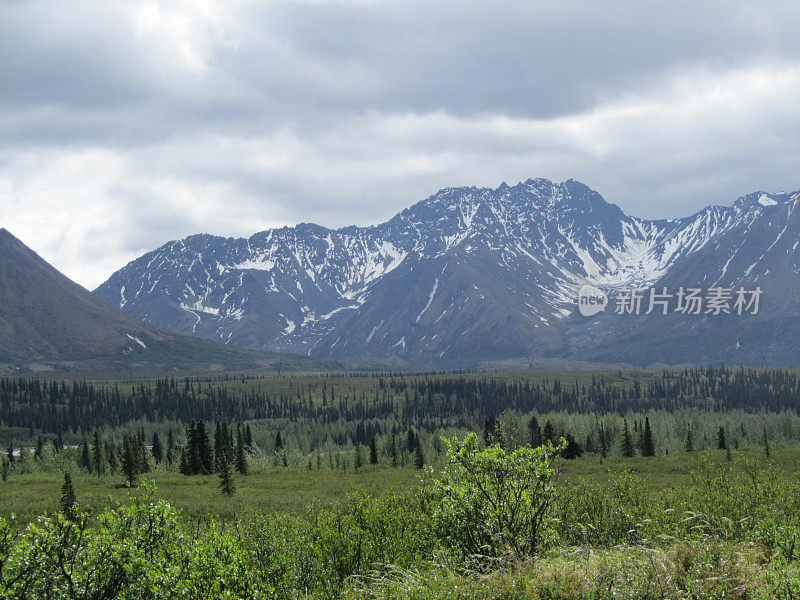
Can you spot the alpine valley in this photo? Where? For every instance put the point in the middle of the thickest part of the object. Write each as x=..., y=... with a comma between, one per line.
x=485, y=277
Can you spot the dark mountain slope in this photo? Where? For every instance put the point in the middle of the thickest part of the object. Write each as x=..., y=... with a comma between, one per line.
x=49, y=322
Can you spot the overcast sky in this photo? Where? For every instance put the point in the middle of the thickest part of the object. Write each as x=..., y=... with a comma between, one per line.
x=127, y=124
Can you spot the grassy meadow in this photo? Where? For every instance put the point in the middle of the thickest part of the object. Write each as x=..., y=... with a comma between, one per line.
x=275, y=490
x=290, y=490
x=573, y=485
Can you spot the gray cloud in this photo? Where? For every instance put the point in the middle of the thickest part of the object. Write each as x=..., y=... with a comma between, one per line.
x=126, y=124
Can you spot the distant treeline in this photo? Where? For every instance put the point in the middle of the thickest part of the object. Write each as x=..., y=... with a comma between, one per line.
x=430, y=402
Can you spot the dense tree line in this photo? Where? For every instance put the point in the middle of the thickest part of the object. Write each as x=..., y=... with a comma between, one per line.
x=431, y=401
x=399, y=417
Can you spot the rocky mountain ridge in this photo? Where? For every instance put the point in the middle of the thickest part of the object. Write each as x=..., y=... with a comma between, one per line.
x=467, y=275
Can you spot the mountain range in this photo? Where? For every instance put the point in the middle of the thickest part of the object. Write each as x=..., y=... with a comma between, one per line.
x=49, y=323
x=477, y=276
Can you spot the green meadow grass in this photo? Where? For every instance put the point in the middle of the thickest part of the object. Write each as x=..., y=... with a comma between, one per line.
x=271, y=491
x=279, y=490
x=661, y=472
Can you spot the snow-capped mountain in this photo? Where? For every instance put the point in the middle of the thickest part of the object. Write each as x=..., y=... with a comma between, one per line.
x=467, y=274
x=759, y=252
x=49, y=323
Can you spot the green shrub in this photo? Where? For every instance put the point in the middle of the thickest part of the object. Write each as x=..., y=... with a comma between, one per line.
x=606, y=515
x=128, y=553
x=781, y=580
x=490, y=502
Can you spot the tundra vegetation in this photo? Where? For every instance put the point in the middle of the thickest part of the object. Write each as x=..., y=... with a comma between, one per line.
x=616, y=485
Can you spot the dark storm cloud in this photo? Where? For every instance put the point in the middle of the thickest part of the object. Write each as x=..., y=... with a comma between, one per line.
x=528, y=59
x=125, y=124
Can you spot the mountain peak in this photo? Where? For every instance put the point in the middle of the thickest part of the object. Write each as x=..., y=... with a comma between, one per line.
x=466, y=268
x=539, y=181
x=6, y=235
x=761, y=199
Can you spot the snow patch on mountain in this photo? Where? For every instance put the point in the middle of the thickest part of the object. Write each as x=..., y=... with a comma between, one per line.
x=430, y=300
x=137, y=340
x=765, y=200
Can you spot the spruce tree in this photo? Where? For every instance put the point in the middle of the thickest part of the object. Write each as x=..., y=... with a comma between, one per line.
x=37, y=453
x=373, y=452
x=157, y=450
x=548, y=433
x=419, y=457
x=170, y=448
x=23, y=461
x=721, y=443
x=111, y=456
x=191, y=452
x=10, y=453
x=219, y=446
x=534, y=432
x=248, y=437
x=573, y=449
x=766, y=444
x=639, y=433
x=648, y=448
x=603, y=442
x=411, y=439
x=437, y=445
x=183, y=465
x=241, y=459
x=278, y=442
x=97, y=454
x=227, y=438
x=359, y=459
x=67, y=499
x=393, y=452
x=498, y=436
x=627, y=442
x=688, y=446
x=4, y=468
x=86, y=461
x=130, y=460
x=489, y=430
x=142, y=453
x=205, y=452
x=225, y=476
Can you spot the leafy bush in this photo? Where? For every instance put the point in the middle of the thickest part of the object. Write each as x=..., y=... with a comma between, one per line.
x=781, y=580
x=491, y=502
x=128, y=553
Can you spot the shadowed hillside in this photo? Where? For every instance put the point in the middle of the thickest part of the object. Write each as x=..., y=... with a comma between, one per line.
x=48, y=322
